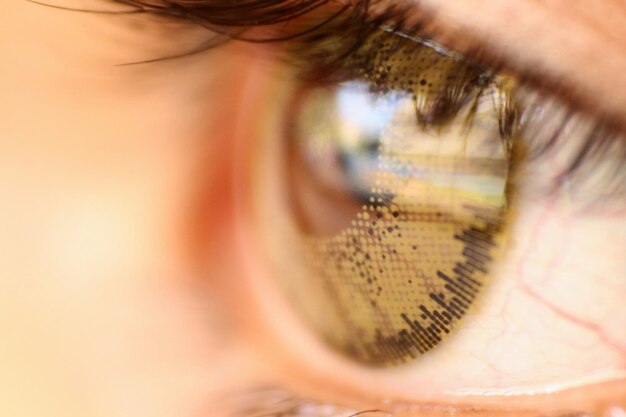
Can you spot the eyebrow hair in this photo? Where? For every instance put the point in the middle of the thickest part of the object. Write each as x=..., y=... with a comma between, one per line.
x=235, y=20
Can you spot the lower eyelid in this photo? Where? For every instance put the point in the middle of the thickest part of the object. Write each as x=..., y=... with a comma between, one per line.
x=274, y=401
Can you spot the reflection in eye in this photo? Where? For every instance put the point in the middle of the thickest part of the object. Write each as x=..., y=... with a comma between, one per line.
x=399, y=179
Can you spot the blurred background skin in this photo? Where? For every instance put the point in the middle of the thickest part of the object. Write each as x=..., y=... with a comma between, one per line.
x=125, y=289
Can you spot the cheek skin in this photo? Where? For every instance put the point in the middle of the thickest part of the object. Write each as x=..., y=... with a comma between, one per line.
x=106, y=176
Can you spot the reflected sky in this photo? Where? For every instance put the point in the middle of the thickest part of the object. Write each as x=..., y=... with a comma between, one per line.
x=367, y=117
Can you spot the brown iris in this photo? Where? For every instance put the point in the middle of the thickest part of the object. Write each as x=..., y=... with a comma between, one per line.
x=395, y=185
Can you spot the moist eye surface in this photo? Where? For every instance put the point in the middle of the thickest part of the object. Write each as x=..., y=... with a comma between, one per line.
x=395, y=183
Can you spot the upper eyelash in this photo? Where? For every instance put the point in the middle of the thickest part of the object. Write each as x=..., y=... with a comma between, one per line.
x=218, y=15
x=231, y=20
x=359, y=19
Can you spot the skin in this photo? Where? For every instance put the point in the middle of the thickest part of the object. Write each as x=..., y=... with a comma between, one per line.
x=132, y=282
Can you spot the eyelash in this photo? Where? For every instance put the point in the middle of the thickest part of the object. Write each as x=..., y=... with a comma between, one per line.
x=309, y=52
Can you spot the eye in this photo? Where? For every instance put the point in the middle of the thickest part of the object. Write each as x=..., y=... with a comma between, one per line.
x=394, y=199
